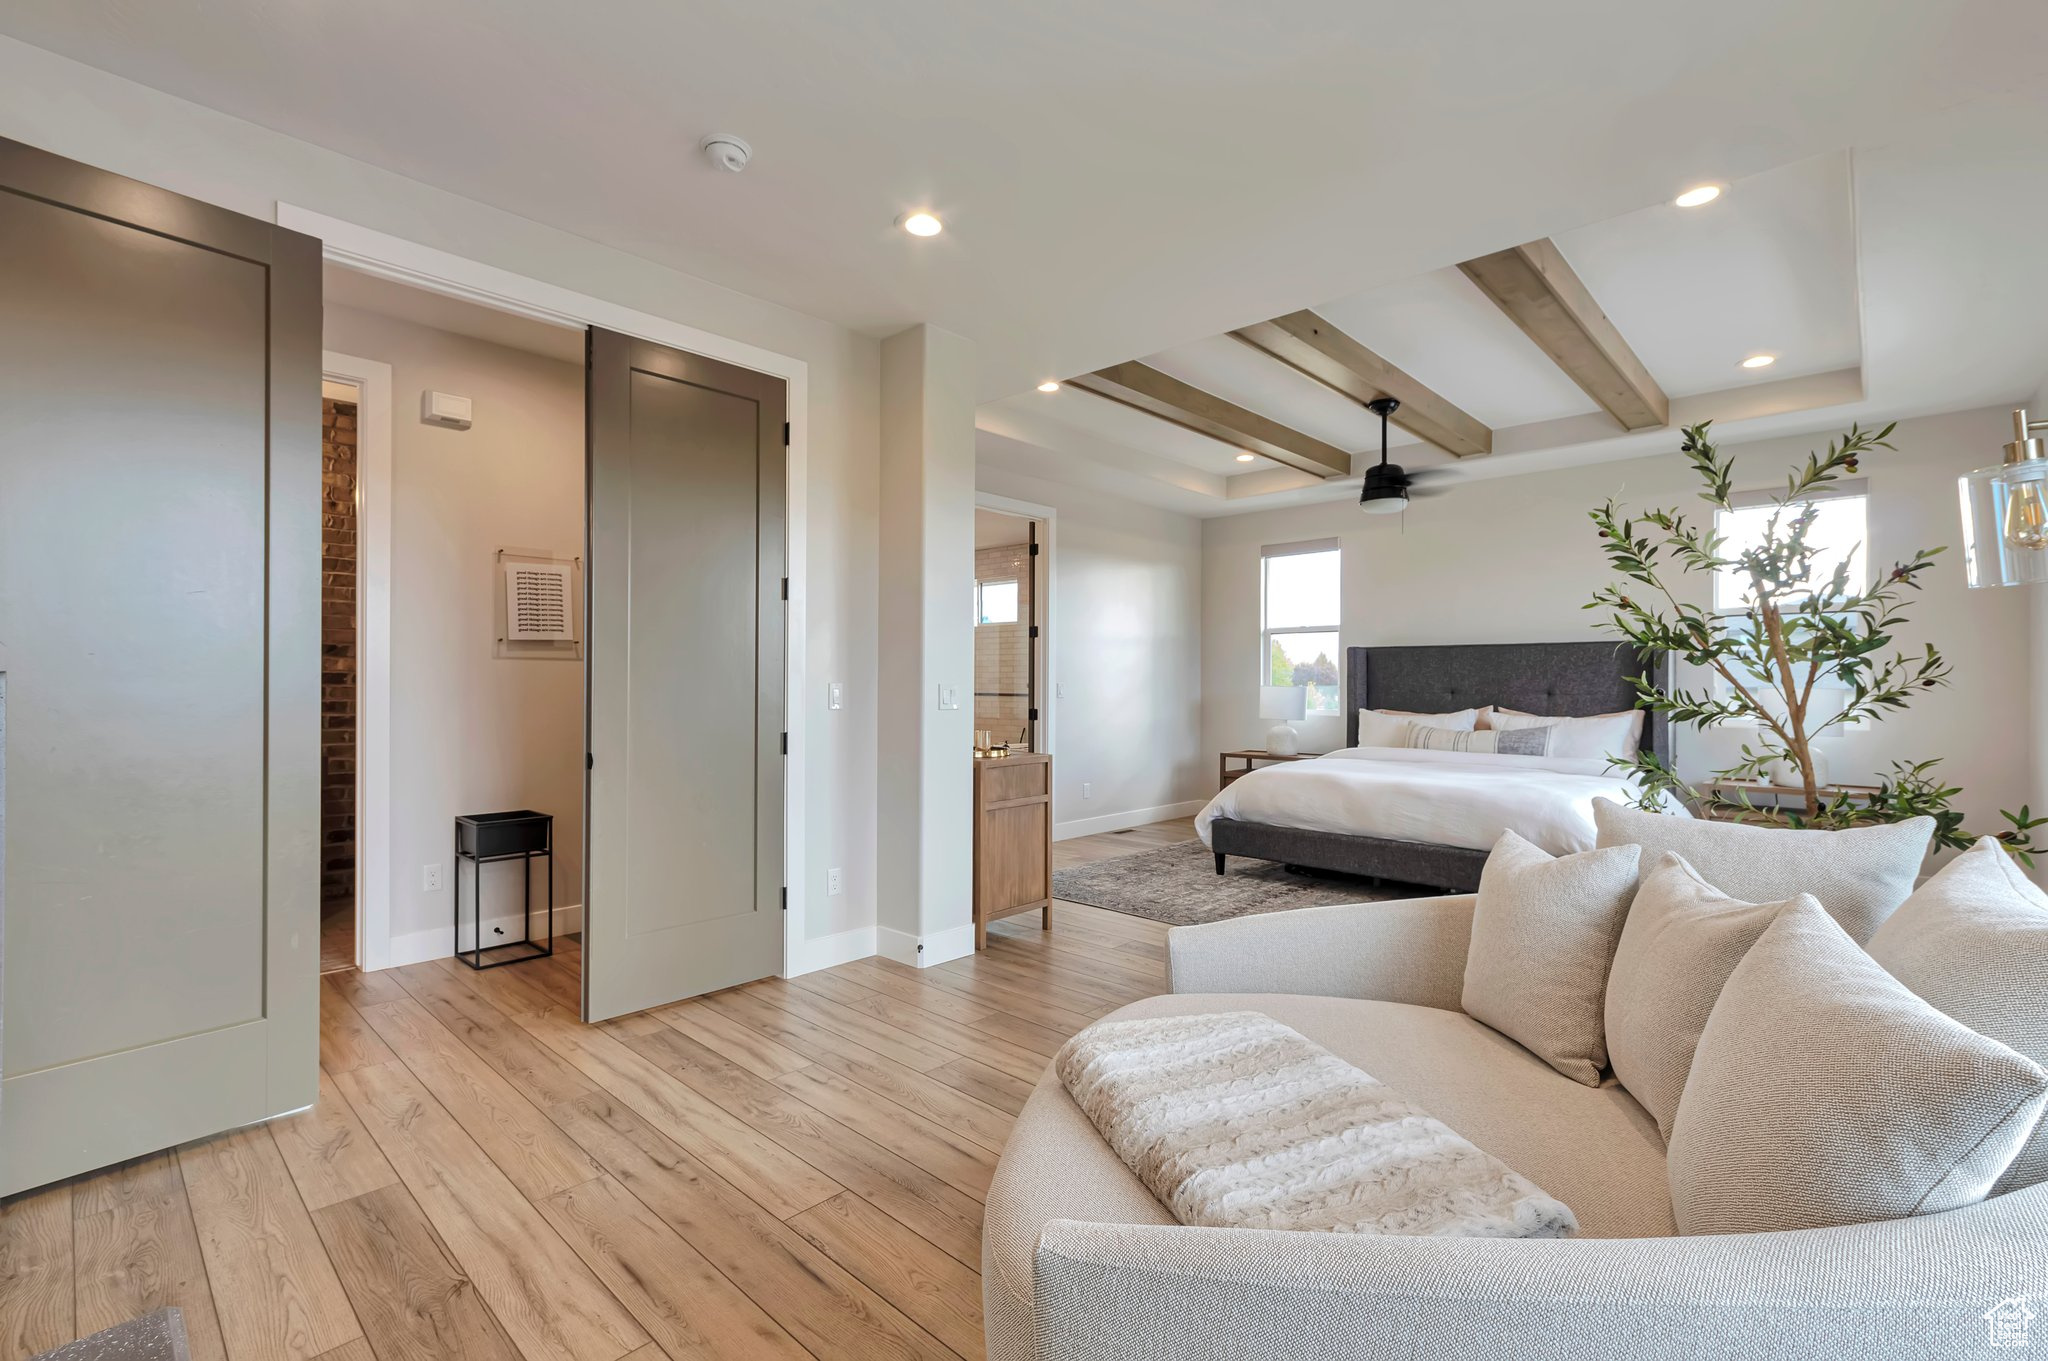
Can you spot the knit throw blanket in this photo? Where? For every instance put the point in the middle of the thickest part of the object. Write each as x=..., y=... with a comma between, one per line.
x=1237, y=1121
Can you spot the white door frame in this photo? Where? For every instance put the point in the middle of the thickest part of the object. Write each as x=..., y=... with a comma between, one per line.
x=437, y=271
x=1044, y=579
x=372, y=380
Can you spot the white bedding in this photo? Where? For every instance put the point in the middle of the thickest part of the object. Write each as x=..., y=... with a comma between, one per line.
x=1448, y=798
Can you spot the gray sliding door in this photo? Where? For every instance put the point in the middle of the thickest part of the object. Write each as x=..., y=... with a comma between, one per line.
x=159, y=667
x=684, y=849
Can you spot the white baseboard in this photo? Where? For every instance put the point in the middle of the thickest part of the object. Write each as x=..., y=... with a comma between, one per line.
x=1116, y=822
x=957, y=943
x=954, y=943
x=416, y=947
x=827, y=951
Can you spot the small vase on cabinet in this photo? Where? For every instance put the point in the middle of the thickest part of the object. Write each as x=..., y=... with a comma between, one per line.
x=1785, y=771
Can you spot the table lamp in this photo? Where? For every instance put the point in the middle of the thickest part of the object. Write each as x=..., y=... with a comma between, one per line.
x=1284, y=704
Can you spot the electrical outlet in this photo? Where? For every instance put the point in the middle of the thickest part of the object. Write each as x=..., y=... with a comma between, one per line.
x=1087, y=791
x=832, y=880
x=835, y=695
x=430, y=878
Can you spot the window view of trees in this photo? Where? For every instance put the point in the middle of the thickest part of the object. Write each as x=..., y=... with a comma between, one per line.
x=1300, y=612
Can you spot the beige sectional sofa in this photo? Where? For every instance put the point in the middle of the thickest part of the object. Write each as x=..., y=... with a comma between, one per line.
x=1081, y=1263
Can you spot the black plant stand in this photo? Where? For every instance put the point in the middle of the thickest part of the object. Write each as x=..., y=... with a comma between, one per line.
x=484, y=839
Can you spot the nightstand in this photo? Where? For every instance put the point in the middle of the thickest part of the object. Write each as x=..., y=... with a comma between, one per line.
x=1251, y=758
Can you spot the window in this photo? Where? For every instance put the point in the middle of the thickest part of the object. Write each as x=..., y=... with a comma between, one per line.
x=1300, y=593
x=995, y=602
x=1838, y=531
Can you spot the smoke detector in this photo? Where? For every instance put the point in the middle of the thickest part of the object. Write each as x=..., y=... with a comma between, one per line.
x=726, y=151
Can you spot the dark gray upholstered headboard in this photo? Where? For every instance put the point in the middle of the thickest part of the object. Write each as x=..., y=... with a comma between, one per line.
x=1566, y=680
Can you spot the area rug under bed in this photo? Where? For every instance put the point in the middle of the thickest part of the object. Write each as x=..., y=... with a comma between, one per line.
x=1179, y=885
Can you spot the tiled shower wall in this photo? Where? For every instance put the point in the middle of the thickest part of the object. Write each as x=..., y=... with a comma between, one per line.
x=1001, y=651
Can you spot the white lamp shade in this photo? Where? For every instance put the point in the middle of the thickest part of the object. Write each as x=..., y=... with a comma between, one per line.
x=1283, y=703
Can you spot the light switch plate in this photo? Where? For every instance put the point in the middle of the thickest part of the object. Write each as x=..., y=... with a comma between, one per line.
x=835, y=695
x=949, y=696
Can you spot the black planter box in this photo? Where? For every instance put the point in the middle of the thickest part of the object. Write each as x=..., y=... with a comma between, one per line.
x=488, y=836
x=481, y=838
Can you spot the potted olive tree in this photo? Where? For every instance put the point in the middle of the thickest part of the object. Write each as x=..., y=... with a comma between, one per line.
x=1800, y=630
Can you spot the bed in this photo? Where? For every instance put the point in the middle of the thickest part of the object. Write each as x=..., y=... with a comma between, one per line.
x=1402, y=815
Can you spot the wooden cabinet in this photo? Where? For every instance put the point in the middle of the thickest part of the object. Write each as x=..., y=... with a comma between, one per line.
x=1012, y=839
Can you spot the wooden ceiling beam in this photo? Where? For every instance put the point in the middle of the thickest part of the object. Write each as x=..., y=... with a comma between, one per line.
x=1544, y=296
x=1157, y=394
x=1311, y=345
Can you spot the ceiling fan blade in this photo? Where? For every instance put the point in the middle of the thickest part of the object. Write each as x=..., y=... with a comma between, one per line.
x=1441, y=477
x=1426, y=489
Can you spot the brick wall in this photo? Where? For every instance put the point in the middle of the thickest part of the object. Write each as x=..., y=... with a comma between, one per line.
x=1001, y=656
x=337, y=652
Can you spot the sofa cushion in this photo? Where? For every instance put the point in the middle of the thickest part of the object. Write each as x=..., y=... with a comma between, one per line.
x=1860, y=876
x=1973, y=942
x=1682, y=940
x=1594, y=1148
x=1543, y=936
x=1825, y=1093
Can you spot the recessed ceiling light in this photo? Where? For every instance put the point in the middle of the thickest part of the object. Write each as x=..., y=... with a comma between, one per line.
x=1246, y=458
x=922, y=224
x=1694, y=197
x=1048, y=386
x=1759, y=361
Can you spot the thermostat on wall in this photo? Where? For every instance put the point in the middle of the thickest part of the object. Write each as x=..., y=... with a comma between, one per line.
x=444, y=408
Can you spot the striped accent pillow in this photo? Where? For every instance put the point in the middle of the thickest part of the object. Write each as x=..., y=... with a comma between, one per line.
x=1512, y=742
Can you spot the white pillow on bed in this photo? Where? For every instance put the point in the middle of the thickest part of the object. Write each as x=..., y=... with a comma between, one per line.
x=1389, y=727
x=1598, y=735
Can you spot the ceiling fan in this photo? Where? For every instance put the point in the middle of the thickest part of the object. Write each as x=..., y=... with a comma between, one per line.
x=1387, y=487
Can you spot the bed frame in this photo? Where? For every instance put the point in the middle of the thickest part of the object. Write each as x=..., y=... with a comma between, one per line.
x=1565, y=680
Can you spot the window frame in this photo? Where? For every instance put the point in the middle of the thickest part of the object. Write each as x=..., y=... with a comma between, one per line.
x=1848, y=489
x=1016, y=601
x=1335, y=628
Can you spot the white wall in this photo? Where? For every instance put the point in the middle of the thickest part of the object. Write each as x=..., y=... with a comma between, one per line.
x=1126, y=620
x=2037, y=690
x=472, y=732
x=77, y=111
x=925, y=783
x=1512, y=559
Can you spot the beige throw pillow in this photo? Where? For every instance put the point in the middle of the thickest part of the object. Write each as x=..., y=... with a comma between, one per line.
x=1543, y=934
x=1521, y=742
x=1973, y=943
x=1824, y=1092
x=1860, y=876
x=1682, y=940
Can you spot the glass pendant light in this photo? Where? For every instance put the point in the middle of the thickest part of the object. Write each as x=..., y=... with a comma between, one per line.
x=2005, y=513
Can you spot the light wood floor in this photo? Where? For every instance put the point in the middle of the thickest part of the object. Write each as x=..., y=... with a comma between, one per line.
x=779, y=1170
x=337, y=936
